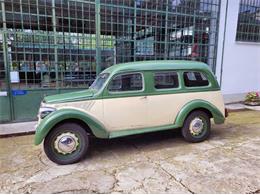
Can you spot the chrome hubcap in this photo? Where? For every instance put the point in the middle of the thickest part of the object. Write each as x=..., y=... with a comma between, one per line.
x=66, y=143
x=196, y=126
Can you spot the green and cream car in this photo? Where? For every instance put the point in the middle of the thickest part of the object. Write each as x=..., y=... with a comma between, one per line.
x=128, y=99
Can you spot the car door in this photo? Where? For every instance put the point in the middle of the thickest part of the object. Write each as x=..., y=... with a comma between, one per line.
x=163, y=106
x=125, y=104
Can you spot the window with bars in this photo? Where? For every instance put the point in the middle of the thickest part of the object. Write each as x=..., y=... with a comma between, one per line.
x=248, y=26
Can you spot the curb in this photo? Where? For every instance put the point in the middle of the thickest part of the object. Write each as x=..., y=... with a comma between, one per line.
x=238, y=110
x=17, y=129
x=17, y=134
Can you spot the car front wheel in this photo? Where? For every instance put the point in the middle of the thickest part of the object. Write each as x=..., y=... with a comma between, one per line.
x=66, y=144
x=196, y=127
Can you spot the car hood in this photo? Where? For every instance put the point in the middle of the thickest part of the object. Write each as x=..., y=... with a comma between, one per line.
x=69, y=97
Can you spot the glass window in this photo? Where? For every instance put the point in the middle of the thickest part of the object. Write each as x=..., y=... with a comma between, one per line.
x=166, y=80
x=195, y=79
x=126, y=82
x=248, y=25
x=99, y=82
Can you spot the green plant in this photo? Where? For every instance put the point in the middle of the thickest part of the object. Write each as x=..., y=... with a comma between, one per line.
x=252, y=97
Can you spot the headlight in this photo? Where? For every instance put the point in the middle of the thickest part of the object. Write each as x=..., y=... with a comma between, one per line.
x=44, y=111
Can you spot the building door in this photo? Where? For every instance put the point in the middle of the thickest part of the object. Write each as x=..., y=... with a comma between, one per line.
x=5, y=106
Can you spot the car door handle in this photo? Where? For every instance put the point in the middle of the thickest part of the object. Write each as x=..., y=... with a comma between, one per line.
x=144, y=97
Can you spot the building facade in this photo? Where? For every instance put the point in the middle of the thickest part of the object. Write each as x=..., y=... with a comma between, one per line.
x=56, y=46
x=238, y=55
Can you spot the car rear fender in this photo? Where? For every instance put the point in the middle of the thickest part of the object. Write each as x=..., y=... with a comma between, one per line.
x=197, y=105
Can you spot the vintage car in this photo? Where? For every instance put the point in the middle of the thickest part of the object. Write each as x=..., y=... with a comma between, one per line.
x=131, y=98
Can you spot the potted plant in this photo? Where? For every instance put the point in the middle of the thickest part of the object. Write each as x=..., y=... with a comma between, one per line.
x=252, y=99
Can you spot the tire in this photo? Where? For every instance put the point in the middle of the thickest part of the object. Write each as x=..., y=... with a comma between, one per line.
x=67, y=136
x=193, y=121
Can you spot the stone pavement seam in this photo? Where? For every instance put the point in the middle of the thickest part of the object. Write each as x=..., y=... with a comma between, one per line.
x=173, y=177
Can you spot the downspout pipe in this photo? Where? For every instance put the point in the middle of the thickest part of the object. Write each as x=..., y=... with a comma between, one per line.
x=224, y=41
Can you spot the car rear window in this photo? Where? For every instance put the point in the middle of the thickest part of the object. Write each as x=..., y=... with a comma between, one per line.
x=166, y=80
x=195, y=79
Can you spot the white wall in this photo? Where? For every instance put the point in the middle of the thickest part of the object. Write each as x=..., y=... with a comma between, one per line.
x=241, y=61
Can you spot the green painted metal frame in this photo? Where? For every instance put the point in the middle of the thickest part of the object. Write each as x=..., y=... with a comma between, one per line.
x=98, y=34
x=55, y=41
x=166, y=30
x=6, y=64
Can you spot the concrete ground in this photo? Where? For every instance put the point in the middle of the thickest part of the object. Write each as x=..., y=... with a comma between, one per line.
x=229, y=162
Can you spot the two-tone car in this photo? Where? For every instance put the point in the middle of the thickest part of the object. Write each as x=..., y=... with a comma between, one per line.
x=128, y=99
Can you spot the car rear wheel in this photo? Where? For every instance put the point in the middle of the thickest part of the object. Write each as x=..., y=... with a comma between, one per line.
x=196, y=127
x=66, y=144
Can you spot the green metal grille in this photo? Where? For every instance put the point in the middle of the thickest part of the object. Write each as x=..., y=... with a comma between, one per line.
x=248, y=26
x=65, y=43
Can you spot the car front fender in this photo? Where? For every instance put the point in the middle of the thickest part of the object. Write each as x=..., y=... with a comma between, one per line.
x=58, y=116
x=199, y=104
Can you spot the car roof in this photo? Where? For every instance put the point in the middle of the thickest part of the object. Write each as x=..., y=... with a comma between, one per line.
x=157, y=65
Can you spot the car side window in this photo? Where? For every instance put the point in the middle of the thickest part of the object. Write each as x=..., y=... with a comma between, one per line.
x=166, y=80
x=126, y=82
x=195, y=79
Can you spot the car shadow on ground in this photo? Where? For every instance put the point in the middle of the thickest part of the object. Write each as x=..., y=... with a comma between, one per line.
x=147, y=138
x=148, y=141
x=152, y=141
x=135, y=141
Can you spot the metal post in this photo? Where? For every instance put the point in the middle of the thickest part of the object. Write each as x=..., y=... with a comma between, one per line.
x=135, y=34
x=166, y=33
x=55, y=43
x=7, y=66
x=193, y=31
x=98, y=34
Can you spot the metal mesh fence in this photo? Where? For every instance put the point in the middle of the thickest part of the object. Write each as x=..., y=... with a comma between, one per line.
x=65, y=43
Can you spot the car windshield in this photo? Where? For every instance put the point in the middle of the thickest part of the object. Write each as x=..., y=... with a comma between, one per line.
x=99, y=82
